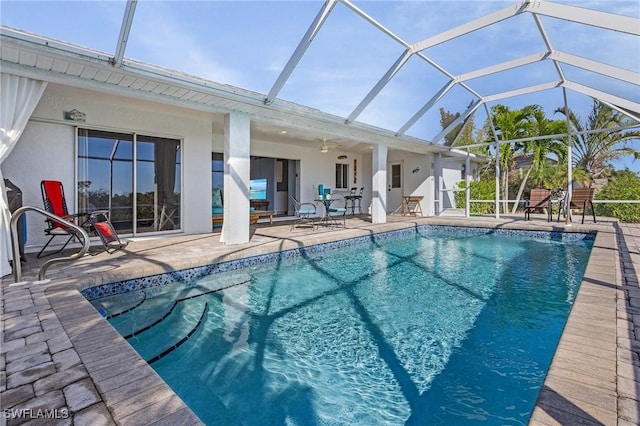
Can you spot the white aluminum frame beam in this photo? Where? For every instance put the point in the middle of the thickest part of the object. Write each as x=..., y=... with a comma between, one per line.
x=458, y=120
x=397, y=65
x=471, y=26
x=597, y=67
x=514, y=63
x=125, y=30
x=547, y=42
x=554, y=136
x=522, y=91
x=457, y=138
x=633, y=115
x=602, y=96
x=443, y=91
x=302, y=47
x=594, y=18
x=430, y=42
x=373, y=22
x=380, y=85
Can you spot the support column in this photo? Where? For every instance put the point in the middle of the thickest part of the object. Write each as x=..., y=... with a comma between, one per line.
x=437, y=183
x=497, y=181
x=235, y=228
x=567, y=198
x=379, y=185
x=467, y=180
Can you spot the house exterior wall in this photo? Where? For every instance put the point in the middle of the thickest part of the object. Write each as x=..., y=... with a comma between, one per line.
x=315, y=167
x=451, y=175
x=417, y=178
x=46, y=149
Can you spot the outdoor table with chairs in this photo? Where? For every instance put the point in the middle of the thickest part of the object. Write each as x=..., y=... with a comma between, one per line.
x=326, y=201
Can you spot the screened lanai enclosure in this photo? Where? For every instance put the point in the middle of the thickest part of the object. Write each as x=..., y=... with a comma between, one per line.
x=369, y=77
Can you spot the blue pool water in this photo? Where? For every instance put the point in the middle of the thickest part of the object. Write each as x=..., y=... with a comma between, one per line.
x=437, y=327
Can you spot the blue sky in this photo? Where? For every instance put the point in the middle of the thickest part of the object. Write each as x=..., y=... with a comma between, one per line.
x=247, y=43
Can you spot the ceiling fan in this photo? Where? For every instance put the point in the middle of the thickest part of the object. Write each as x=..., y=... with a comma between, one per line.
x=327, y=145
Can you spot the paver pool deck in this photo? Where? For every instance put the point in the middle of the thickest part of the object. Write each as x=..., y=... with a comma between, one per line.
x=58, y=354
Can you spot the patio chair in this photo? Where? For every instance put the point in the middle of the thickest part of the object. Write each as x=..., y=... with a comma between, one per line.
x=106, y=232
x=56, y=203
x=540, y=198
x=353, y=200
x=358, y=201
x=580, y=198
x=350, y=200
x=340, y=211
x=304, y=213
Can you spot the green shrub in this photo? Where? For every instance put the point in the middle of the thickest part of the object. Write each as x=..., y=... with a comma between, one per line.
x=480, y=190
x=624, y=185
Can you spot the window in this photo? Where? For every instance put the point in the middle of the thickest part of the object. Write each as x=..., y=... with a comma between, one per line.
x=342, y=176
x=107, y=164
x=463, y=172
x=217, y=170
x=396, y=176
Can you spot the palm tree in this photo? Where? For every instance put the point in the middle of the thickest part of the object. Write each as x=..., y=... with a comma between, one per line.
x=509, y=124
x=595, y=151
x=540, y=125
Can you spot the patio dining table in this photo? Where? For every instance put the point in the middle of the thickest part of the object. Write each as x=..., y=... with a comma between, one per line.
x=326, y=219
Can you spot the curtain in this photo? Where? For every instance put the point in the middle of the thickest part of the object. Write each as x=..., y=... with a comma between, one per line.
x=18, y=98
x=165, y=170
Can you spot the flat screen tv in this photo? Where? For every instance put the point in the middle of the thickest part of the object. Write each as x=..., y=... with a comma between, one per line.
x=258, y=189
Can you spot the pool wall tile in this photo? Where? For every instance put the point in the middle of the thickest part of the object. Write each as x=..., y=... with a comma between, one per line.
x=192, y=274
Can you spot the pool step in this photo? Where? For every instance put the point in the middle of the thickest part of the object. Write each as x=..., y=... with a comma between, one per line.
x=181, y=341
x=145, y=311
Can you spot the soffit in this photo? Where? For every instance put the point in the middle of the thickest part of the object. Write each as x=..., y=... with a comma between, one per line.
x=35, y=56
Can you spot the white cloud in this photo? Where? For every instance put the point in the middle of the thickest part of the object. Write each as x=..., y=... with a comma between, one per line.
x=157, y=37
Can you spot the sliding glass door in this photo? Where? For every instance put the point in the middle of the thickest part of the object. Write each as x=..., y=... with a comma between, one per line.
x=113, y=167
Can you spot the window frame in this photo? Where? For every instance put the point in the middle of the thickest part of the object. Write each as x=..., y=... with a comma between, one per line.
x=342, y=176
x=84, y=156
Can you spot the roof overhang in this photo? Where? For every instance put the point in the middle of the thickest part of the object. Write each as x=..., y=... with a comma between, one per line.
x=50, y=60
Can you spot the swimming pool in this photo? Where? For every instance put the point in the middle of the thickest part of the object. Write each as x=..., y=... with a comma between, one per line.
x=434, y=326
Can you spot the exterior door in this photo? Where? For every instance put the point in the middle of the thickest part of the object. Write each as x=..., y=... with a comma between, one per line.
x=394, y=187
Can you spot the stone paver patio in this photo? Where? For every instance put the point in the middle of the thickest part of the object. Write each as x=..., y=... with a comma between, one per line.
x=62, y=361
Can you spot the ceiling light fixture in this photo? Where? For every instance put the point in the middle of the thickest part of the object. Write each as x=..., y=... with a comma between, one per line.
x=324, y=149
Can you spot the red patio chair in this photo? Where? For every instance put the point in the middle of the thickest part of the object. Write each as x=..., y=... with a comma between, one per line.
x=106, y=232
x=56, y=203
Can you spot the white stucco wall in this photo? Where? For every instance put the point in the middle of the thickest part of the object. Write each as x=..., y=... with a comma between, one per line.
x=315, y=167
x=418, y=183
x=46, y=149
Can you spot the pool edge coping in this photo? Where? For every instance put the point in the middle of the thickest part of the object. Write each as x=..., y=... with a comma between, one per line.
x=73, y=310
